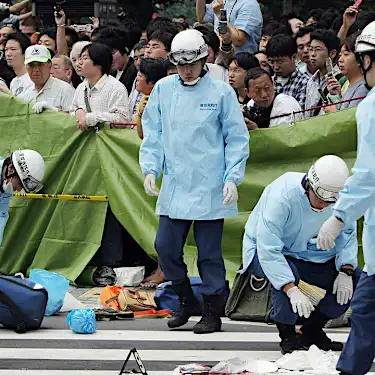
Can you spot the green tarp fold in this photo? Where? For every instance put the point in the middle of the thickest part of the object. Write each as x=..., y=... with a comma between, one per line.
x=63, y=236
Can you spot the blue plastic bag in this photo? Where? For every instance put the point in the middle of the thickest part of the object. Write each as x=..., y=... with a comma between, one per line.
x=56, y=286
x=82, y=321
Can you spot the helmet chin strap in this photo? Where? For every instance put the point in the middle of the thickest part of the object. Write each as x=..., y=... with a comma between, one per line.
x=364, y=70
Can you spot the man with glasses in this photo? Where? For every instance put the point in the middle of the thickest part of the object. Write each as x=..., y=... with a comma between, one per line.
x=280, y=243
x=15, y=49
x=46, y=92
x=195, y=133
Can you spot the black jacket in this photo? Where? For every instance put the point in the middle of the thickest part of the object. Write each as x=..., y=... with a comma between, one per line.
x=128, y=75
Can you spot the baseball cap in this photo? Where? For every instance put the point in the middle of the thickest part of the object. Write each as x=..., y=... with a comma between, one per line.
x=37, y=53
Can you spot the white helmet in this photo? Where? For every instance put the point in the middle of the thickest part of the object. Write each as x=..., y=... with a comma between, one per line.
x=327, y=177
x=187, y=47
x=30, y=169
x=366, y=41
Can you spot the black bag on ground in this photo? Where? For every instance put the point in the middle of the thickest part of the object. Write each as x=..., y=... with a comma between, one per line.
x=250, y=299
x=22, y=304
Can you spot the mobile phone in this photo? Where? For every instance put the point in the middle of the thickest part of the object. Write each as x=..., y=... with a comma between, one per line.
x=357, y=4
x=223, y=22
x=329, y=66
x=57, y=8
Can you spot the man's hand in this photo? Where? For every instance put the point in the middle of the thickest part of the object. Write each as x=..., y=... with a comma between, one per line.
x=81, y=120
x=251, y=125
x=39, y=106
x=60, y=21
x=217, y=5
x=150, y=186
x=328, y=233
x=300, y=303
x=343, y=286
x=230, y=193
x=95, y=21
x=350, y=16
x=333, y=86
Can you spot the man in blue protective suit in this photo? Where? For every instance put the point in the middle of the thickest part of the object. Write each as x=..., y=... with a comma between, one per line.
x=195, y=133
x=358, y=199
x=280, y=242
x=23, y=169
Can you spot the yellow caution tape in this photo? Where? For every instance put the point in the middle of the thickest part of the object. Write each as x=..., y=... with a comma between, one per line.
x=62, y=197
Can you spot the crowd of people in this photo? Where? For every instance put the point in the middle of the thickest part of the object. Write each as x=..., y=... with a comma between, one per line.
x=276, y=67
x=214, y=82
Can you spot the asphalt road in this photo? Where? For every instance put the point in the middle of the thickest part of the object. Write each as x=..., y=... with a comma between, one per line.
x=55, y=350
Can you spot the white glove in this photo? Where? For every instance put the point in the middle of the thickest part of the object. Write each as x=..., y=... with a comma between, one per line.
x=230, y=193
x=328, y=233
x=39, y=106
x=343, y=286
x=300, y=303
x=150, y=186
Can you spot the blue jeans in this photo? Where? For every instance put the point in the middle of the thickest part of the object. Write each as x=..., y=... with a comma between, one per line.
x=169, y=244
x=321, y=275
x=359, y=351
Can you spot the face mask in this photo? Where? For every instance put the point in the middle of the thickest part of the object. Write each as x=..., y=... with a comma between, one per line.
x=316, y=209
x=8, y=187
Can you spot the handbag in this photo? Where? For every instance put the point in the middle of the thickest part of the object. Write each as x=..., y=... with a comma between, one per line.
x=250, y=299
x=137, y=299
x=22, y=304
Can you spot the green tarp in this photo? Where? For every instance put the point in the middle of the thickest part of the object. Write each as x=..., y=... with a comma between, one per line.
x=63, y=236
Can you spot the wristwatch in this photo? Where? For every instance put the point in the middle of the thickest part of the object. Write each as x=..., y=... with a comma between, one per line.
x=347, y=269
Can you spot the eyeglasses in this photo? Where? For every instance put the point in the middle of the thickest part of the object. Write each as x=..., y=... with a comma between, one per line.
x=83, y=58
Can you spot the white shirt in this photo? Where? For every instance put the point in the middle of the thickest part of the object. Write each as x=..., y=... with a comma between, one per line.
x=217, y=72
x=55, y=92
x=108, y=101
x=20, y=84
x=119, y=74
x=283, y=105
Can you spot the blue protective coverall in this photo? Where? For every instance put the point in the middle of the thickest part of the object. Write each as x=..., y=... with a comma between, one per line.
x=281, y=232
x=4, y=206
x=197, y=136
x=358, y=199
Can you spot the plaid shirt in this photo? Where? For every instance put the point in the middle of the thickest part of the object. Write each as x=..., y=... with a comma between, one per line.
x=295, y=87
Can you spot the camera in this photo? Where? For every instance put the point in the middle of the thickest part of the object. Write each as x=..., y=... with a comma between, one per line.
x=57, y=8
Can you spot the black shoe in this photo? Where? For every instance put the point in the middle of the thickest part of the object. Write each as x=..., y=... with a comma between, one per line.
x=210, y=321
x=289, y=338
x=290, y=345
x=321, y=340
x=189, y=305
x=311, y=333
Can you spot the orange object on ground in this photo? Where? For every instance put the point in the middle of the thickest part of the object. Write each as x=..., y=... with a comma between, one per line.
x=109, y=297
